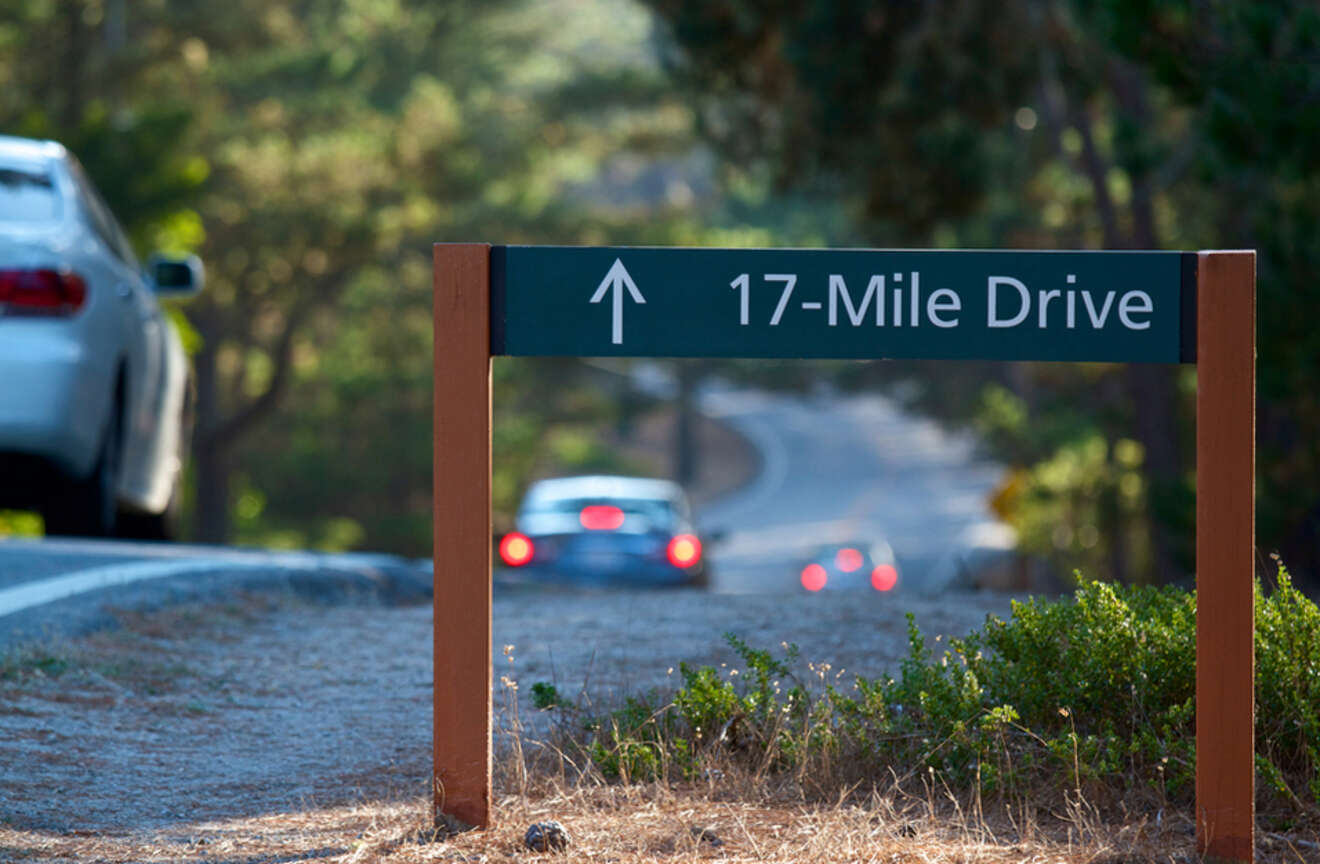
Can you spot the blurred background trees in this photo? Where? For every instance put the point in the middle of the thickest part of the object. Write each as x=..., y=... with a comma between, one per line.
x=311, y=151
x=1118, y=125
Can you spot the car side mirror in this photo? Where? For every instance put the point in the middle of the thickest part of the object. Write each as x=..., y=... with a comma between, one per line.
x=175, y=276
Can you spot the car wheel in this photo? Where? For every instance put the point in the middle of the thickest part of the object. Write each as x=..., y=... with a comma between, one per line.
x=152, y=526
x=88, y=507
x=164, y=526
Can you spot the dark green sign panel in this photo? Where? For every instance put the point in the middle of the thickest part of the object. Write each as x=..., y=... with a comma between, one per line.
x=675, y=302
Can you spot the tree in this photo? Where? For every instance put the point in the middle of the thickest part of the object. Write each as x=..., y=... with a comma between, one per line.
x=1045, y=124
x=311, y=152
x=504, y=133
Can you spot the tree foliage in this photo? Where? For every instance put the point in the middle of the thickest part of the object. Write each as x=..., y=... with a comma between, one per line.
x=311, y=152
x=1057, y=124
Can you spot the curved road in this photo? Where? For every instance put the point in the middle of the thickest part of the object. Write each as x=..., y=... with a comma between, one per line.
x=833, y=469
x=849, y=468
x=61, y=587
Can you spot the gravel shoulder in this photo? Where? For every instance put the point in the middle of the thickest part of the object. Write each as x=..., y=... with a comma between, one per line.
x=192, y=719
x=608, y=645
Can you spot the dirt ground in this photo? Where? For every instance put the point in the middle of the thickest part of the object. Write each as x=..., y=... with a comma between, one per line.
x=267, y=731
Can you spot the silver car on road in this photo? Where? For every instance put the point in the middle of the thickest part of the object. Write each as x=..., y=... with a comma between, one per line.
x=94, y=382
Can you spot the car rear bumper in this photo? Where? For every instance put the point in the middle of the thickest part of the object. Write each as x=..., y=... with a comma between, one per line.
x=637, y=575
x=53, y=397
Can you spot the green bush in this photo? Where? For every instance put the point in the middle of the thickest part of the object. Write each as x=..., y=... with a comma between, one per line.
x=639, y=742
x=1092, y=693
x=1288, y=691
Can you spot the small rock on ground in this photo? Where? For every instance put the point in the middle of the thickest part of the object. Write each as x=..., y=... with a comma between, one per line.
x=546, y=837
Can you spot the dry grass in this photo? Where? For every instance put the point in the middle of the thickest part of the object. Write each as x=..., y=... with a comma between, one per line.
x=632, y=825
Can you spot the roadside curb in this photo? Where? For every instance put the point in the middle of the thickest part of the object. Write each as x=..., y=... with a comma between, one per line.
x=372, y=580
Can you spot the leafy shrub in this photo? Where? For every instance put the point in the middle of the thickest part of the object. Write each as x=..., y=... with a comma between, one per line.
x=639, y=742
x=1288, y=690
x=546, y=696
x=1093, y=692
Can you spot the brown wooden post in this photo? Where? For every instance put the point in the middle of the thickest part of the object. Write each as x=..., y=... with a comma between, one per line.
x=1225, y=550
x=462, y=539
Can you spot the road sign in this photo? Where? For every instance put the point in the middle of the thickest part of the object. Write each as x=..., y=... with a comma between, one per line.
x=1113, y=306
x=673, y=302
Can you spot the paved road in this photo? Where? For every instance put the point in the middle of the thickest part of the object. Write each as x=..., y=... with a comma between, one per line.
x=840, y=468
x=834, y=469
x=58, y=587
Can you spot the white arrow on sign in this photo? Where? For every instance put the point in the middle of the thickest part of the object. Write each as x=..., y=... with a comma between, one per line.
x=618, y=279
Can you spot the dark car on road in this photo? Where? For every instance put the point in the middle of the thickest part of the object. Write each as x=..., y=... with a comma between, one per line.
x=869, y=566
x=605, y=530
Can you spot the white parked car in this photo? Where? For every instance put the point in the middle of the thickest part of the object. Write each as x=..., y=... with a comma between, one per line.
x=94, y=383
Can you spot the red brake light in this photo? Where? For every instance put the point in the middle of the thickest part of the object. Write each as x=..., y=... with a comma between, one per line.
x=848, y=560
x=884, y=577
x=42, y=292
x=601, y=517
x=684, y=550
x=814, y=577
x=516, y=549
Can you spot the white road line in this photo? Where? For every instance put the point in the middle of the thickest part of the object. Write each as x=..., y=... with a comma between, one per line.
x=31, y=594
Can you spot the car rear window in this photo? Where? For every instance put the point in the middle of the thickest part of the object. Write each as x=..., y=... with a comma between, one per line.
x=656, y=510
x=27, y=195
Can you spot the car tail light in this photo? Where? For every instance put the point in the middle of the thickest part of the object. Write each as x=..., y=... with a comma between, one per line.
x=884, y=577
x=601, y=517
x=42, y=292
x=684, y=550
x=516, y=549
x=814, y=577
x=848, y=560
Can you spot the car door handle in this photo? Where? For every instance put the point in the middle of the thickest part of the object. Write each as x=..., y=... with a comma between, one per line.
x=123, y=291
